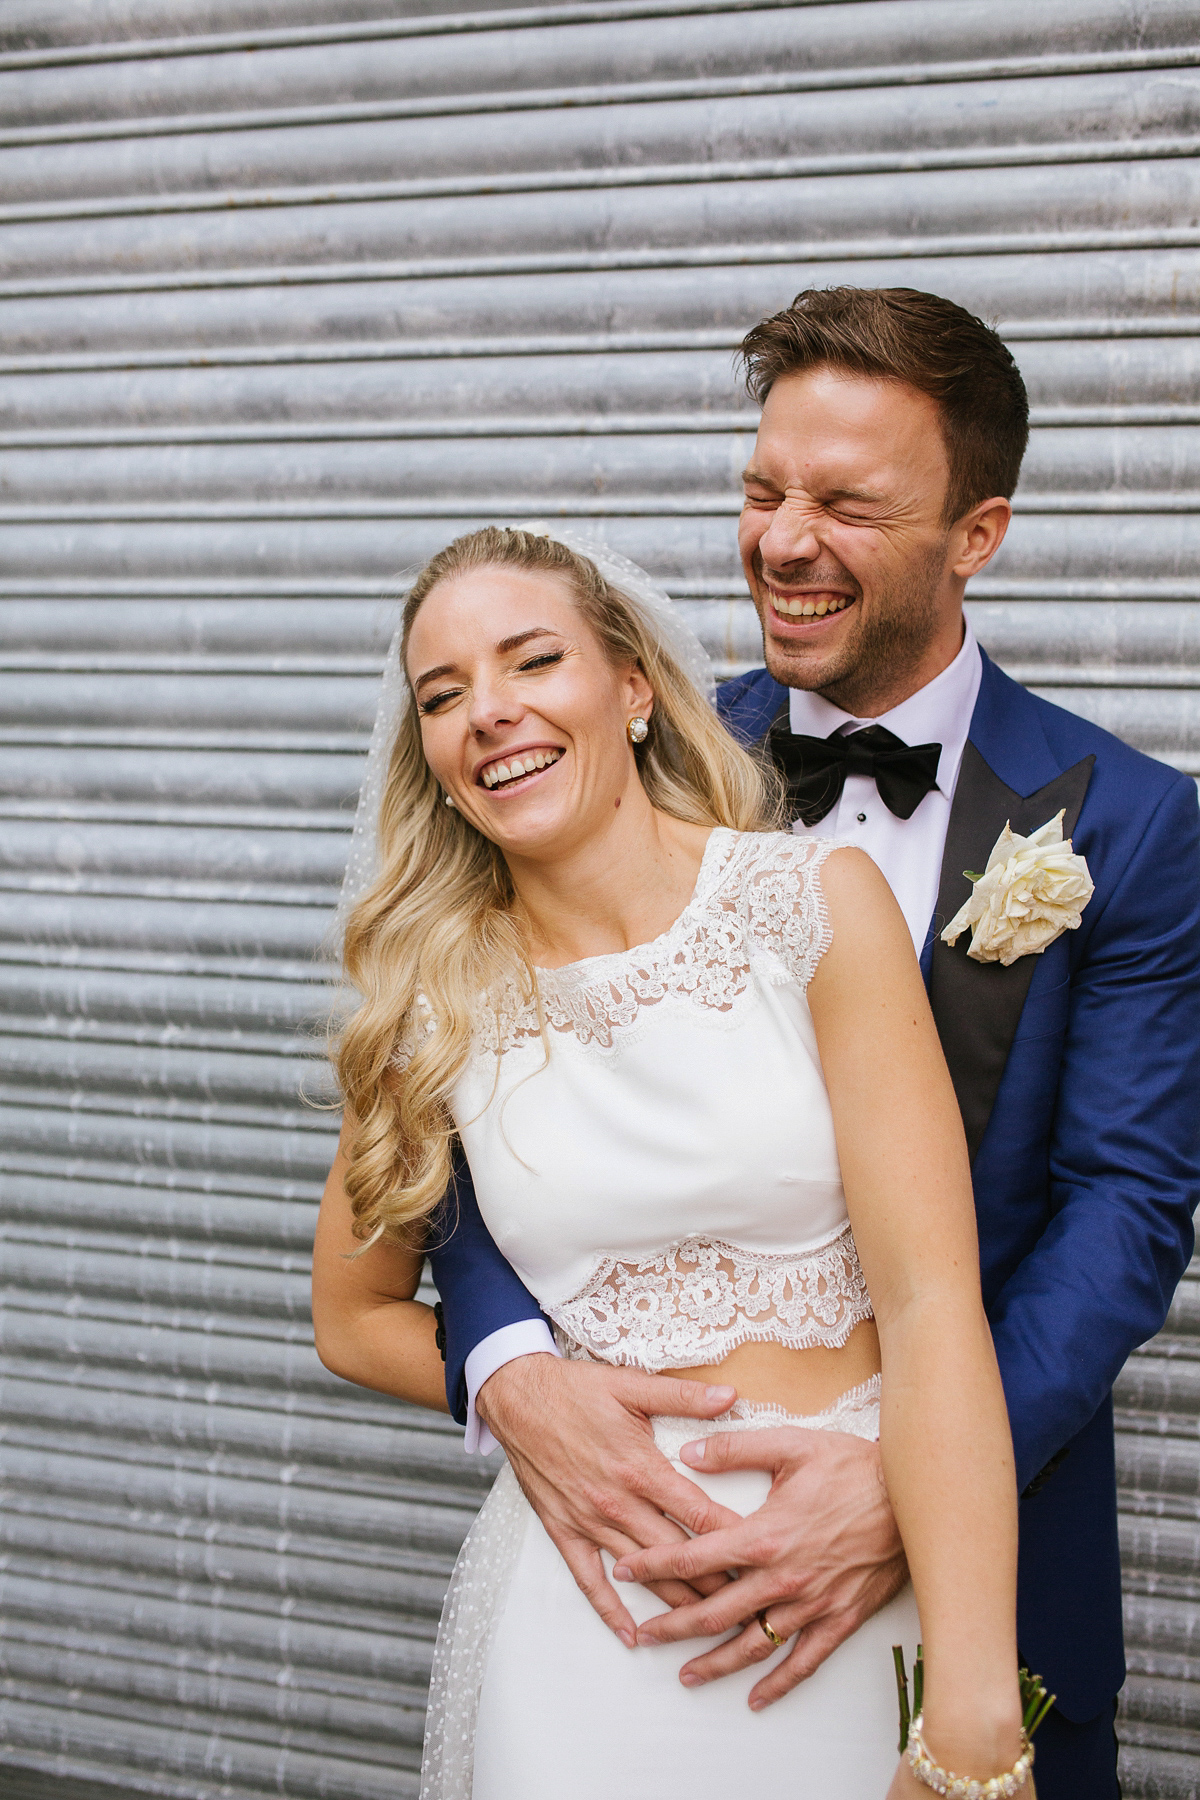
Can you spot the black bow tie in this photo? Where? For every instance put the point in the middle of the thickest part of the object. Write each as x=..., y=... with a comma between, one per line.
x=816, y=768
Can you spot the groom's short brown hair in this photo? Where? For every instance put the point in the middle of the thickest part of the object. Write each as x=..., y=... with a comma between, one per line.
x=935, y=346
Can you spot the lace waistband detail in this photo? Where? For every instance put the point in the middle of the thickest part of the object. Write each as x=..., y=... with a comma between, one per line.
x=699, y=1299
x=856, y=1412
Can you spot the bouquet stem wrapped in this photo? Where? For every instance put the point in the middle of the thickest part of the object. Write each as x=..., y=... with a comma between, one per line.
x=1035, y=1701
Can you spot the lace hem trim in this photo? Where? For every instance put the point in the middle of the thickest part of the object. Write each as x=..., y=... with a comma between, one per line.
x=700, y=1298
x=855, y=1412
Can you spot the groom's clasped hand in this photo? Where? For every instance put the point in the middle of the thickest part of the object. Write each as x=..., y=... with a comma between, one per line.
x=583, y=1450
x=822, y=1553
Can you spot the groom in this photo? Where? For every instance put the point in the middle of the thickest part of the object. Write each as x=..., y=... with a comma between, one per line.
x=892, y=433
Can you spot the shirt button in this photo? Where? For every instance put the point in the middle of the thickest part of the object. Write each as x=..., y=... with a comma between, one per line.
x=862, y=818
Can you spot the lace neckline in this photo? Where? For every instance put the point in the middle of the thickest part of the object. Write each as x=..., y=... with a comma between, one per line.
x=716, y=854
x=756, y=901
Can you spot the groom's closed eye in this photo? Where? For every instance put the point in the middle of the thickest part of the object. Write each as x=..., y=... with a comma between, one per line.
x=756, y=492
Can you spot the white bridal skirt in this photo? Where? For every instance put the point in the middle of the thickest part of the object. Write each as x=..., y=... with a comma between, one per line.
x=532, y=1698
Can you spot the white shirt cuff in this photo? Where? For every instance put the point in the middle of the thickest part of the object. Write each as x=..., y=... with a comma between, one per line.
x=528, y=1337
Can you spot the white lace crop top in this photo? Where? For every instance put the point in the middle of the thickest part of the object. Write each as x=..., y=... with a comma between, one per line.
x=659, y=1164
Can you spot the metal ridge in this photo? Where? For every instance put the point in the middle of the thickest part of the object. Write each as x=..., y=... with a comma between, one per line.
x=402, y=349
x=264, y=589
x=582, y=12
x=621, y=343
x=1014, y=68
x=503, y=506
x=556, y=180
x=354, y=431
x=320, y=431
x=591, y=262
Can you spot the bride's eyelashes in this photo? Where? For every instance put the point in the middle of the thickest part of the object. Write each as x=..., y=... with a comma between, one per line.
x=545, y=660
x=435, y=700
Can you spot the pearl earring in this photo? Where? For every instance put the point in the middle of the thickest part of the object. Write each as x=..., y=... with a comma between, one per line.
x=638, y=731
x=448, y=800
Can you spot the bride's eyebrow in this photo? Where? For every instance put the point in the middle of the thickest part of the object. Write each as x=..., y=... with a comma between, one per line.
x=432, y=675
x=522, y=637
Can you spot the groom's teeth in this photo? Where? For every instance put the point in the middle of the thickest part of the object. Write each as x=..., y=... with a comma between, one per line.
x=807, y=609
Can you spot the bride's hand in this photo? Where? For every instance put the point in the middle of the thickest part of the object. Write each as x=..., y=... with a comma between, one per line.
x=580, y=1441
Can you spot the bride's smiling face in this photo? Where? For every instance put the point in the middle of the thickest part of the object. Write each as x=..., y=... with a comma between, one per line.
x=523, y=716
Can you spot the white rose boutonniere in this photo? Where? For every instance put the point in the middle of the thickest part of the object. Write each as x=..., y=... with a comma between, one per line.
x=1033, y=889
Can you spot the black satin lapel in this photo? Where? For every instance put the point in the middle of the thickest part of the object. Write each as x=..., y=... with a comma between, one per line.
x=976, y=1006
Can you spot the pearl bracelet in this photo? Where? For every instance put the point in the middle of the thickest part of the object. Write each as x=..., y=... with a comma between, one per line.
x=964, y=1787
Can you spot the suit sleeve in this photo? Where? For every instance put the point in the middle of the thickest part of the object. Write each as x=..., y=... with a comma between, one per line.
x=1124, y=1149
x=480, y=1291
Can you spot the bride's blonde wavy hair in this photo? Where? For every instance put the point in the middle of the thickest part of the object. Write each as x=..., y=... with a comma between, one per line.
x=438, y=931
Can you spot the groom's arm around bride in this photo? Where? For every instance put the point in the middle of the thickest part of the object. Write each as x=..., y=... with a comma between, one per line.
x=892, y=433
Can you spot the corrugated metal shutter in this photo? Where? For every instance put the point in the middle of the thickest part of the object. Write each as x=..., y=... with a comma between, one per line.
x=291, y=291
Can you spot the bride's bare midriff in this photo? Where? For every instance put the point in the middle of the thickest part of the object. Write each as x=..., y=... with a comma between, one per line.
x=800, y=1381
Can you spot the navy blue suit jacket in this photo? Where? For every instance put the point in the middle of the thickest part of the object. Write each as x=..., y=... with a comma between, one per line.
x=1078, y=1075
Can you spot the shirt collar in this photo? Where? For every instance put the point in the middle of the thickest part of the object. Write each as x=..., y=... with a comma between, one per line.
x=938, y=713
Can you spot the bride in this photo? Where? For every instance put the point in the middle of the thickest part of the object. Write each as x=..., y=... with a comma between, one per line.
x=690, y=1063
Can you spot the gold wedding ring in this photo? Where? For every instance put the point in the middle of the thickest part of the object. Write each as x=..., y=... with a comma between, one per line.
x=772, y=1634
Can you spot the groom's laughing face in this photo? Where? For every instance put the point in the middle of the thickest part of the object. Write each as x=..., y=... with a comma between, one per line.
x=843, y=540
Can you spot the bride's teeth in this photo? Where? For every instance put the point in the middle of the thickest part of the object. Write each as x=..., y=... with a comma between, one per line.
x=516, y=766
